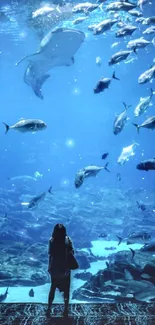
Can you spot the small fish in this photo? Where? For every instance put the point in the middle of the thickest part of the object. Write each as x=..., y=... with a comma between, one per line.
x=141, y=206
x=147, y=165
x=33, y=203
x=79, y=20
x=148, y=124
x=26, y=126
x=103, y=235
x=4, y=296
x=104, y=83
x=119, y=240
x=133, y=253
x=118, y=176
x=114, y=44
x=98, y=61
x=145, y=276
x=31, y=293
x=105, y=155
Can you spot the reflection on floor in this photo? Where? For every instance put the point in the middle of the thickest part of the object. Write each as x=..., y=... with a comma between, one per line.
x=79, y=314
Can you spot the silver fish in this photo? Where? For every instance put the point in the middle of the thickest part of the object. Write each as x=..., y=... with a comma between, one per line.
x=104, y=26
x=143, y=105
x=84, y=7
x=26, y=126
x=120, y=120
x=139, y=236
x=79, y=20
x=47, y=17
x=126, y=153
x=140, y=20
x=140, y=3
x=149, y=30
x=138, y=43
x=135, y=237
x=34, y=202
x=125, y=30
x=88, y=171
x=149, y=20
x=148, y=124
x=135, y=13
x=147, y=75
x=119, y=56
x=120, y=5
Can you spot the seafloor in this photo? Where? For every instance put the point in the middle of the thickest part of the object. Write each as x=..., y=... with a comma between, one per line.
x=24, y=238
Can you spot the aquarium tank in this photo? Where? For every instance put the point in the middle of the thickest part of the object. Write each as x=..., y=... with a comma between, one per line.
x=77, y=129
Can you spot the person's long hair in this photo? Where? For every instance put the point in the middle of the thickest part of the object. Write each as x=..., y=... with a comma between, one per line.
x=59, y=233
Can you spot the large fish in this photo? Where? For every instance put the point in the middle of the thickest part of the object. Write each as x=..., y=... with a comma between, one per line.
x=34, y=202
x=147, y=76
x=148, y=124
x=88, y=171
x=27, y=126
x=146, y=165
x=104, y=83
x=149, y=247
x=103, y=26
x=120, y=5
x=143, y=104
x=126, y=153
x=57, y=48
x=125, y=30
x=120, y=120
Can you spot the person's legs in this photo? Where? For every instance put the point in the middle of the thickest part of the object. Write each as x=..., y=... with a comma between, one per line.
x=66, y=295
x=51, y=294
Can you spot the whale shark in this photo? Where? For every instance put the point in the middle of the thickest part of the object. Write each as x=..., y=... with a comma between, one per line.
x=56, y=49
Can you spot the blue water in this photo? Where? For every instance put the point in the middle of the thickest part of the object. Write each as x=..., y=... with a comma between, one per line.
x=79, y=122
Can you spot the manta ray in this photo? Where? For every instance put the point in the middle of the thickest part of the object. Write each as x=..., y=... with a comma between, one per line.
x=56, y=49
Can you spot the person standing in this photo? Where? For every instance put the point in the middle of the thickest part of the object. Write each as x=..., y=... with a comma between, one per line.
x=60, y=245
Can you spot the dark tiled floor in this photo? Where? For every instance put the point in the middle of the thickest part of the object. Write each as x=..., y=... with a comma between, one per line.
x=79, y=314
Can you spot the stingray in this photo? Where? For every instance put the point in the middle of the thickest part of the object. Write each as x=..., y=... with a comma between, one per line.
x=56, y=49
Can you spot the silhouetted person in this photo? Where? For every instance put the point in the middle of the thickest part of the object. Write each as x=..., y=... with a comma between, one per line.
x=59, y=247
